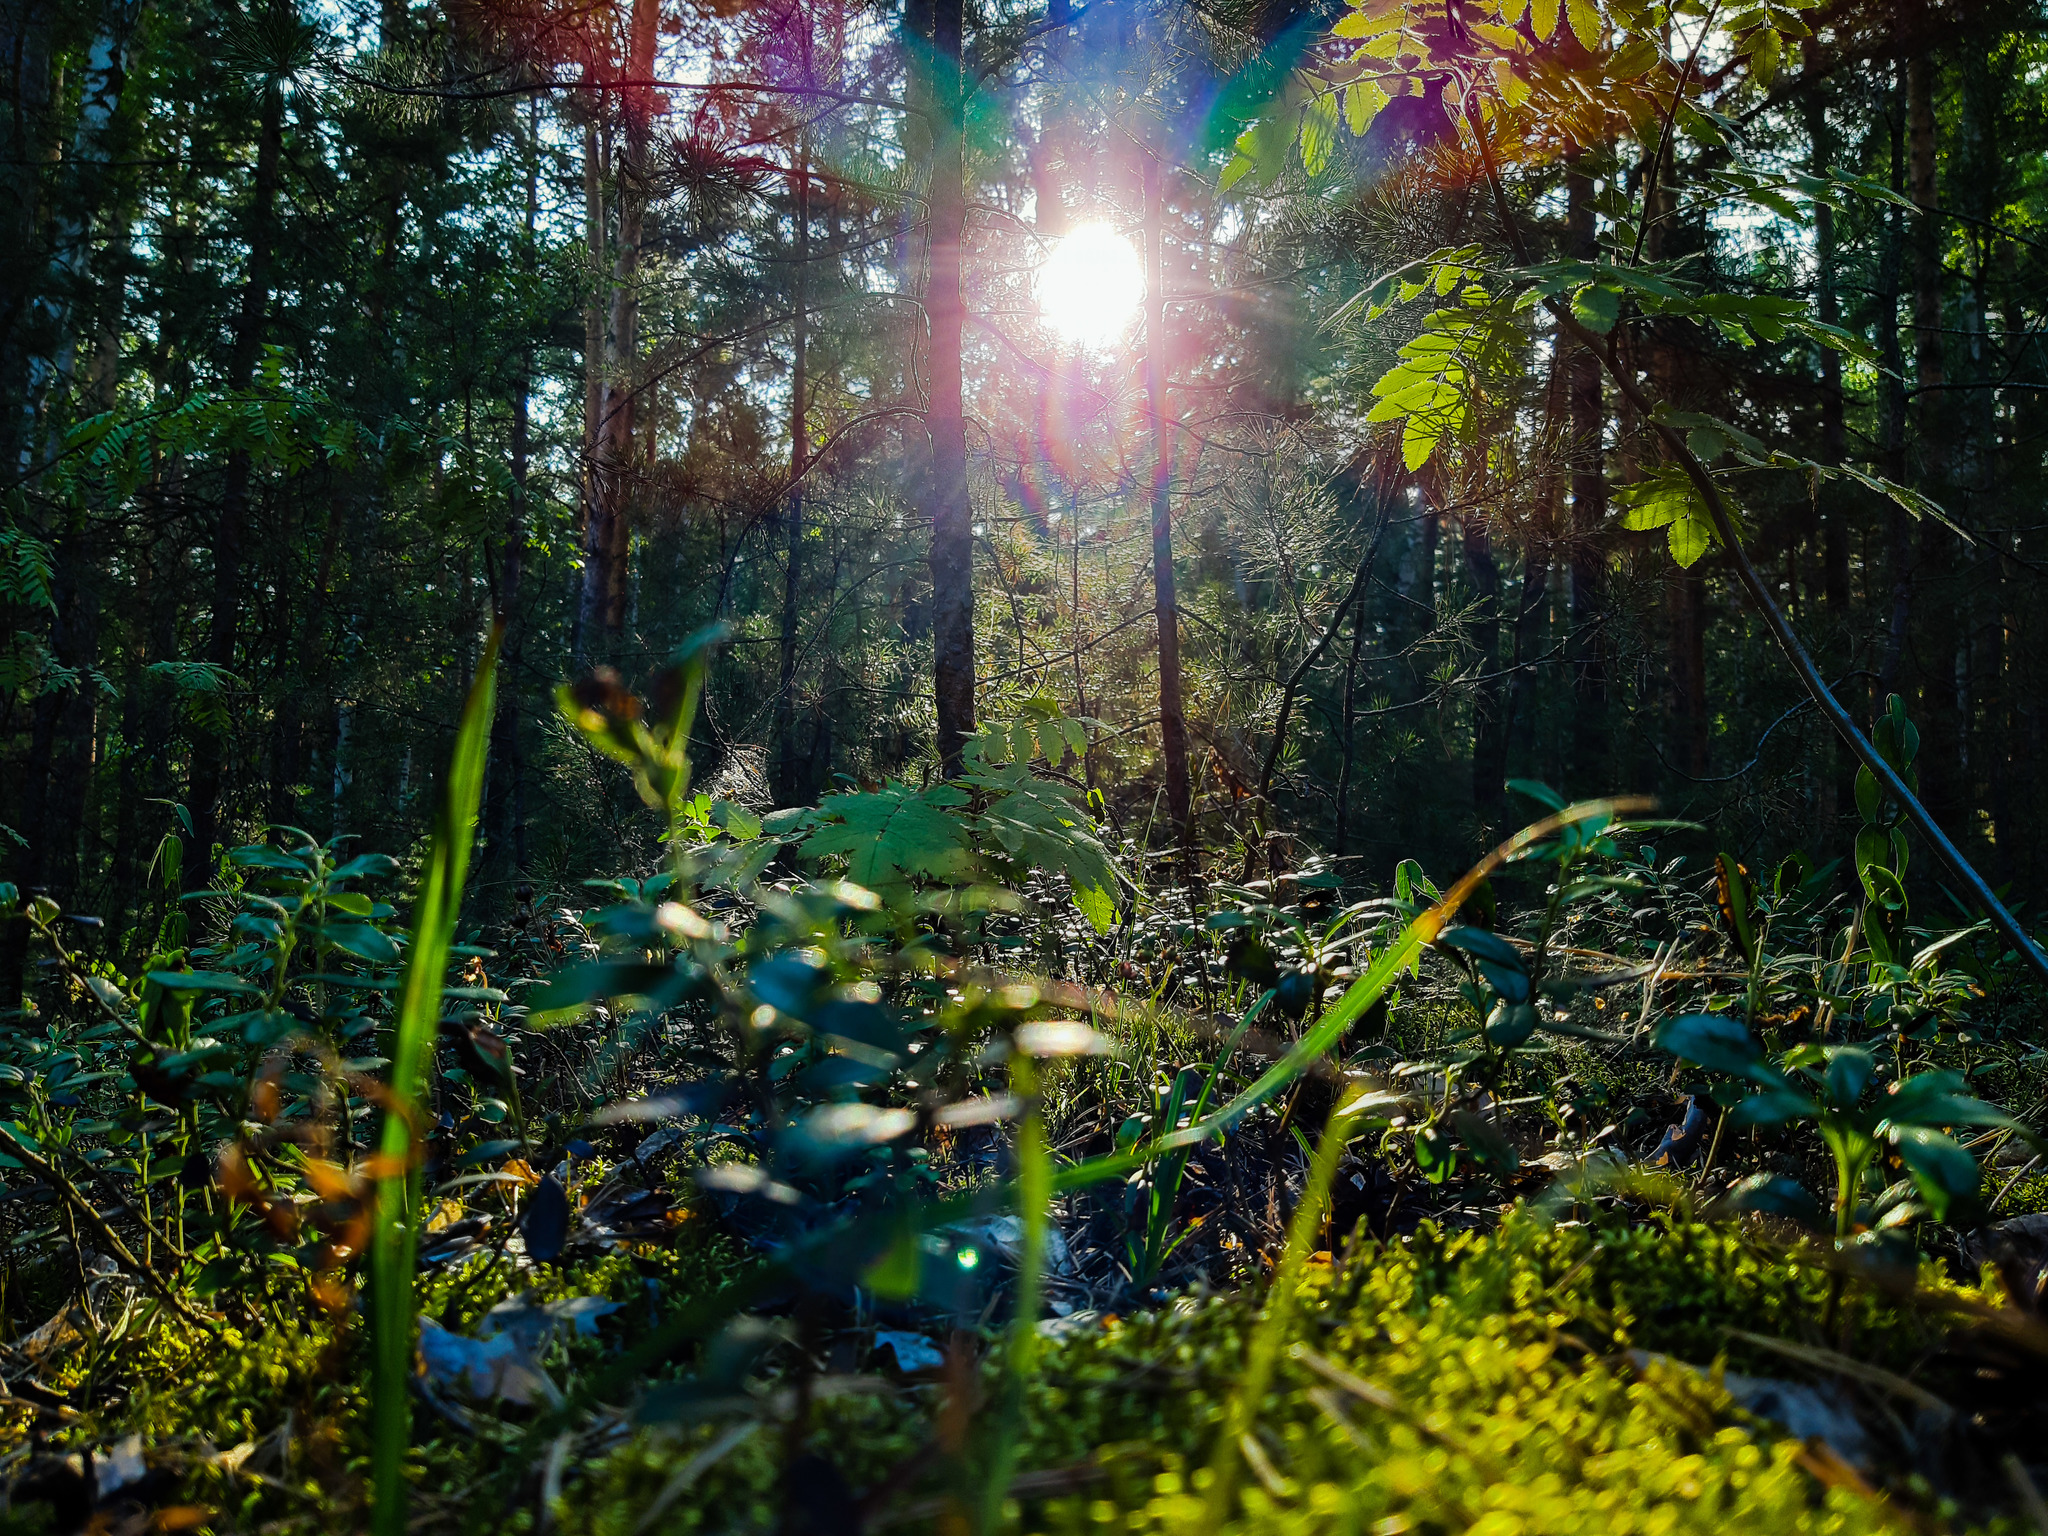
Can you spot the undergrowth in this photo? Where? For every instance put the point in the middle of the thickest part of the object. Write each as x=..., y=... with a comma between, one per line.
x=1541, y=1377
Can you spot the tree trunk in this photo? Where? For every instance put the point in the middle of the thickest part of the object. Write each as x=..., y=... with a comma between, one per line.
x=209, y=748
x=1834, y=537
x=789, y=788
x=952, y=550
x=1489, y=723
x=591, y=531
x=1173, y=729
x=1589, y=512
x=614, y=461
x=25, y=138
x=505, y=814
x=52, y=336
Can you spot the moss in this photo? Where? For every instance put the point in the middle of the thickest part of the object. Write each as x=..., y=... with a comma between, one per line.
x=1519, y=1410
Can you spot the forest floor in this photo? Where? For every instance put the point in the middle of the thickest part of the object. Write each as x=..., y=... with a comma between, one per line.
x=1606, y=1366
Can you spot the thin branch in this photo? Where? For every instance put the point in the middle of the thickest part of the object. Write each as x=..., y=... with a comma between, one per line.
x=1760, y=595
x=1372, y=555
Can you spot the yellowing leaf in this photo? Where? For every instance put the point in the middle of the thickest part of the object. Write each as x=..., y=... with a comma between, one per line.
x=1543, y=13
x=1586, y=23
x=1507, y=39
x=1362, y=103
x=1359, y=24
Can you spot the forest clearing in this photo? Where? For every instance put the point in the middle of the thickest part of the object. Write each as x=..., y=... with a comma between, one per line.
x=1156, y=765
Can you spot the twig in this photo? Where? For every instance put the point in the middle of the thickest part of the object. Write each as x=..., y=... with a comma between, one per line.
x=48, y=1171
x=2006, y=1188
x=1372, y=555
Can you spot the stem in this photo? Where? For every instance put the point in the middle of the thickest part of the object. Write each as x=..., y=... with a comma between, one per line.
x=76, y=1199
x=1774, y=619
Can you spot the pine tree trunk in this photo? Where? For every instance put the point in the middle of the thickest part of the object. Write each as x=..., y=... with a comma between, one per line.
x=1173, y=729
x=208, y=749
x=505, y=812
x=1589, y=512
x=952, y=548
x=1489, y=723
x=614, y=467
x=1834, y=537
x=789, y=789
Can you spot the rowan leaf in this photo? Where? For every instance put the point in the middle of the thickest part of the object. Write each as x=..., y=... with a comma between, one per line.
x=895, y=834
x=1585, y=22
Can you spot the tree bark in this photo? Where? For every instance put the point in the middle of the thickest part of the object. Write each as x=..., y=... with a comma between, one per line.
x=614, y=466
x=505, y=813
x=1834, y=537
x=789, y=789
x=1173, y=727
x=209, y=749
x=952, y=547
x=53, y=338
x=1489, y=724
x=1589, y=512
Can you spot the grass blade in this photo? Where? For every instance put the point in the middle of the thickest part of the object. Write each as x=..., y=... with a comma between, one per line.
x=394, y=1236
x=1034, y=1195
x=1235, y=1442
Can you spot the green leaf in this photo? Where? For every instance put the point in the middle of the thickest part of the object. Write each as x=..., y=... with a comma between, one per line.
x=1850, y=1069
x=1710, y=1040
x=1774, y=1195
x=1040, y=825
x=1638, y=56
x=362, y=941
x=1690, y=538
x=1937, y=1099
x=1097, y=905
x=1363, y=101
x=1485, y=945
x=1596, y=307
x=202, y=981
x=1418, y=441
x=1764, y=56
x=1492, y=1149
x=1873, y=853
x=1774, y=1106
x=1541, y=793
x=1942, y=1170
x=894, y=835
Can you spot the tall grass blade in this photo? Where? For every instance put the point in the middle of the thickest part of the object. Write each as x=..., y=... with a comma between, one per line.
x=1272, y=1331
x=1034, y=1196
x=394, y=1233
x=1315, y=1194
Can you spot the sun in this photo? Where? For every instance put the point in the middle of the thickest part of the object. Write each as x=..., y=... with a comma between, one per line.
x=1091, y=285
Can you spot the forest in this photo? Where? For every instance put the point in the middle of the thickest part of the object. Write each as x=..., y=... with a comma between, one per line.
x=815, y=766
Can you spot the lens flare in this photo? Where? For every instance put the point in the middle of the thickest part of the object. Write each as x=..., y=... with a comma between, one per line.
x=1091, y=285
